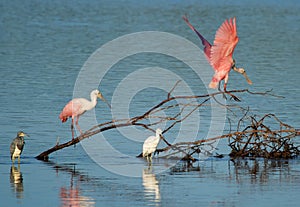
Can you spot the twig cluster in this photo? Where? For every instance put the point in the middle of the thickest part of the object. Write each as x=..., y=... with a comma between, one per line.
x=255, y=140
x=267, y=137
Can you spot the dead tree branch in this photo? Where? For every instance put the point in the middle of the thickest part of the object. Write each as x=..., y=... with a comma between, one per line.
x=186, y=109
x=255, y=140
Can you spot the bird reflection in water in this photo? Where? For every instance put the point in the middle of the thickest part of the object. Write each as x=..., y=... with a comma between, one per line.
x=16, y=180
x=71, y=197
x=151, y=185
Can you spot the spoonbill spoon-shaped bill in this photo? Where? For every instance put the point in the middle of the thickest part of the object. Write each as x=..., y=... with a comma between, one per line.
x=219, y=55
x=17, y=146
x=78, y=106
x=150, y=145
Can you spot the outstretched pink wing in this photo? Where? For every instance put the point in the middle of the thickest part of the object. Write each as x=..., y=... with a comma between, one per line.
x=225, y=41
x=205, y=43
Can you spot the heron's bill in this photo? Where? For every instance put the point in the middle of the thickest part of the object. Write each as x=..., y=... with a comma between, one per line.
x=22, y=134
x=247, y=78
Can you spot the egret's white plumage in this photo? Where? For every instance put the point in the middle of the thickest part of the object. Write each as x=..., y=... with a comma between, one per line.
x=150, y=144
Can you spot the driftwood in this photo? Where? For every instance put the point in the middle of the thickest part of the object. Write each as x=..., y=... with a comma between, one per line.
x=255, y=140
x=181, y=101
x=264, y=139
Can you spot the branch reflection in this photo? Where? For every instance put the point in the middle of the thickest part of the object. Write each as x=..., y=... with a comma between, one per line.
x=257, y=170
x=261, y=170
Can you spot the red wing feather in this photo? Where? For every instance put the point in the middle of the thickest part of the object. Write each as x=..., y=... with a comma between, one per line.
x=225, y=41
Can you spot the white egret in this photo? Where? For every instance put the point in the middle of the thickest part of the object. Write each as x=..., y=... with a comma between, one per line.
x=150, y=145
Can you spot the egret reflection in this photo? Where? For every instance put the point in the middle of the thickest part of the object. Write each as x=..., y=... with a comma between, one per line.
x=151, y=185
x=16, y=180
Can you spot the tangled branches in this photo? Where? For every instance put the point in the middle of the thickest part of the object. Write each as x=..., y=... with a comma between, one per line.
x=255, y=140
x=260, y=140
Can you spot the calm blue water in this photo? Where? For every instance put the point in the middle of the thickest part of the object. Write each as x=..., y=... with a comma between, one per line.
x=44, y=45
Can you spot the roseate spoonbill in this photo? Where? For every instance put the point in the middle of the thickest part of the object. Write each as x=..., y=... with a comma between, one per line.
x=78, y=106
x=219, y=55
x=150, y=145
x=16, y=146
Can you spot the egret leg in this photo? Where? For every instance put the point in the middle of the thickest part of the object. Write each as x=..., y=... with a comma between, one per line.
x=19, y=160
x=151, y=158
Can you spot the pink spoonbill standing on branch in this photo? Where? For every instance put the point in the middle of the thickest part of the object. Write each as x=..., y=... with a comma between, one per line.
x=78, y=106
x=219, y=55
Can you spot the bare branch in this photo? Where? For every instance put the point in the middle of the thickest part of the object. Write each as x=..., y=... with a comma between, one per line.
x=169, y=94
x=163, y=105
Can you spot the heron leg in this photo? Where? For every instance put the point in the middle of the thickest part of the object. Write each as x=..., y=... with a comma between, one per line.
x=19, y=160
